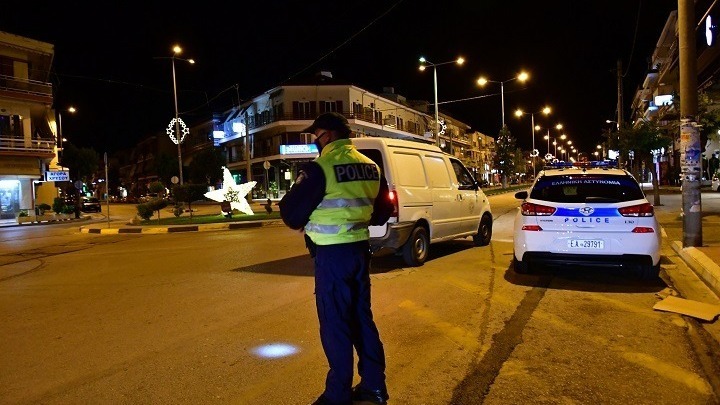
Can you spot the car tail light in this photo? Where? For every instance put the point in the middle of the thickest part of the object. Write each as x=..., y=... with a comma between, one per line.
x=640, y=210
x=531, y=209
x=531, y=228
x=392, y=196
x=642, y=229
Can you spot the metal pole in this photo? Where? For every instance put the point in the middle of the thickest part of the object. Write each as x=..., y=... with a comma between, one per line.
x=502, y=102
x=532, y=152
x=437, y=115
x=177, y=124
x=689, y=133
x=107, y=191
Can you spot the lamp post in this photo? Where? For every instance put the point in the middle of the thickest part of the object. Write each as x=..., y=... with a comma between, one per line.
x=547, y=137
x=60, y=137
x=178, y=138
x=520, y=113
x=423, y=65
x=483, y=81
x=617, y=128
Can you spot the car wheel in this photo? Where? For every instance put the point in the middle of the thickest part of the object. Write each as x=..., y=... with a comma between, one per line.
x=415, y=251
x=520, y=266
x=482, y=238
x=649, y=272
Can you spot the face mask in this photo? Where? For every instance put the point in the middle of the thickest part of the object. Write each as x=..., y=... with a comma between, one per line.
x=317, y=142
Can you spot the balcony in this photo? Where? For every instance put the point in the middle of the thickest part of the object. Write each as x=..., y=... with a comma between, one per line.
x=31, y=147
x=24, y=89
x=267, y=117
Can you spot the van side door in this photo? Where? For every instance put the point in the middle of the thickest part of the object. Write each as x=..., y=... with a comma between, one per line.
x=445, y=221
x=466, y=189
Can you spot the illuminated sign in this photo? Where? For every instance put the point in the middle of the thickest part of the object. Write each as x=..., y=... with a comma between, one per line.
x=709, y=31
x=303, y=149
x=664, y=99
x=61, y=175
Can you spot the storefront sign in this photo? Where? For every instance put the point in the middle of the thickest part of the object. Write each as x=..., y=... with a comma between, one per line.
x=60, y=175
x=303, y=149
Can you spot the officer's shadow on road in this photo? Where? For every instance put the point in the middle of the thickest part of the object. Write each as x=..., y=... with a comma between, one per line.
x=585, y=278
x=303, y=266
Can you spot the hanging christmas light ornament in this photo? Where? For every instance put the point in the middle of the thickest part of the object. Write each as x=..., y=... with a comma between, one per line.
x=184, y=130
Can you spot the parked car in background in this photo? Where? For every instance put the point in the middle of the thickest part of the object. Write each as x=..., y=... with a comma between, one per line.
x=715, y=184
x=578, y=217
x=90, y=204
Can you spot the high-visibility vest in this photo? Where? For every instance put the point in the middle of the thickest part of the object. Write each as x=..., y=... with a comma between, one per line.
x=352, y=181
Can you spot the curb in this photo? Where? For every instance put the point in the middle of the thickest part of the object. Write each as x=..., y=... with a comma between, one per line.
x=703, y=266
x=148, y=230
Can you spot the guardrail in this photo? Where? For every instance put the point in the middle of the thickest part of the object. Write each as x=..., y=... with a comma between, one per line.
x=33, y=145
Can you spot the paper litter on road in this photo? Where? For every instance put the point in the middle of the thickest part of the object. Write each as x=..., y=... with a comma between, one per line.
x=696, y=309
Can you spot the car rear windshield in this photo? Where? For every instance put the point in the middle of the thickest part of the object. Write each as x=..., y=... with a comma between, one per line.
x=586, y=188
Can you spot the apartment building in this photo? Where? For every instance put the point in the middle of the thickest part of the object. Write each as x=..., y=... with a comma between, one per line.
x=263, y=139
x=657, y=98
x=27, y=125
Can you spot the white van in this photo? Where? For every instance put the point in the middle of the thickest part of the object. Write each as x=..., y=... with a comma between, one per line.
x=436, y=199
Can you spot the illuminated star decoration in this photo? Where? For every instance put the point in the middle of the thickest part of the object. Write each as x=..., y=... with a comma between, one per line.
x=232, y=192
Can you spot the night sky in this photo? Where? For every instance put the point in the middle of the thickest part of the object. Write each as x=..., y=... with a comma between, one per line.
x=111, y=61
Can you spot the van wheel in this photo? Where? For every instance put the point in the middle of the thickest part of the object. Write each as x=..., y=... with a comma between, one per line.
x=415, y=251
x=482, y=238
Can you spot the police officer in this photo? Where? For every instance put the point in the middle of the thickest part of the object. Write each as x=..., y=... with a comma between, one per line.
x=334, y=199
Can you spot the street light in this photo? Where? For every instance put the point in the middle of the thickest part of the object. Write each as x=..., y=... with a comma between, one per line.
x=547, y=137
x=61, y=137
x=520, y=113
x=483, y=81
x=177, y=137
x=423, y=64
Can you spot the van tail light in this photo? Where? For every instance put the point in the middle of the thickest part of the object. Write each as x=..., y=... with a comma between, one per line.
x=392, y=196
x=531, y=209
x=640, y=210
x=643, y=229
x=531, y=228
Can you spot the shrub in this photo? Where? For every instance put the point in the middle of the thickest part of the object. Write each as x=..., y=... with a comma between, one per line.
x=43, y=207
x=58, y=205
x=23, y=213
x=68, y=209
x=178, y=209
x=144, y=211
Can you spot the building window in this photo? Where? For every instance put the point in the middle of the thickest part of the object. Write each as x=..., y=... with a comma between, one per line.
x=378, y=117
x=331, y=106
x=303, y=110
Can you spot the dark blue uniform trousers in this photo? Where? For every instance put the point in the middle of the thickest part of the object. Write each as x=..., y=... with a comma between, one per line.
x=342, y=295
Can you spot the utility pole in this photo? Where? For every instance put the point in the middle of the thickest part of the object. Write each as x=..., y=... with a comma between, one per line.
x=619, y=109
x=689, y=135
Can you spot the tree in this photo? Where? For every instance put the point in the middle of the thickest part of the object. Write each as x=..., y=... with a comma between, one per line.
x=82, y=162
x=643, y=140
x=206, y=167
x=159, y=202
x=505, y=154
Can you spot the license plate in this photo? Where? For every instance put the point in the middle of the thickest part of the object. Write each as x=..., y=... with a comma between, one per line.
x=586, y=244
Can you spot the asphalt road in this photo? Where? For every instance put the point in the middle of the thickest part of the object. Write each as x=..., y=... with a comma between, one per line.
x=183, y=318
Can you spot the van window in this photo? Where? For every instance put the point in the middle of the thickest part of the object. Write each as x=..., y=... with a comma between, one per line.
x=411, y=173
x=376, y=157
x=465, y=179
x=437, y=172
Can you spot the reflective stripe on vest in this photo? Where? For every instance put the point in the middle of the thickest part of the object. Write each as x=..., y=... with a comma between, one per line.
x=334, y=229
x=345, y=202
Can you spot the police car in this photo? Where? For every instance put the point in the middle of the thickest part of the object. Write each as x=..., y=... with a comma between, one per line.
x=580, y=216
